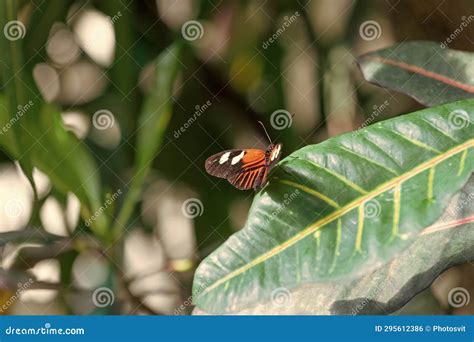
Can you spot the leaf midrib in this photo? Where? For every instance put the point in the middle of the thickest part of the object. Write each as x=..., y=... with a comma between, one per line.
x=340, y=212
x=423, y=72
x=447, y=225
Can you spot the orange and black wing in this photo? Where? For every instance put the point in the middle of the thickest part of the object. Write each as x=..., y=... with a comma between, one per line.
x=245, y=169
x=251, y=179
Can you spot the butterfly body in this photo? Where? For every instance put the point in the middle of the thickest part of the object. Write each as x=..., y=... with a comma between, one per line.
x=244, y=168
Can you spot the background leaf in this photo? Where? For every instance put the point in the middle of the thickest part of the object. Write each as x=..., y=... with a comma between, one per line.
x=343, y=207
x=427, y=71
x=152, y=124
x=42, y=139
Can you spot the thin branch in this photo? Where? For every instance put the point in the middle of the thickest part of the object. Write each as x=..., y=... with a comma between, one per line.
x=135, y=299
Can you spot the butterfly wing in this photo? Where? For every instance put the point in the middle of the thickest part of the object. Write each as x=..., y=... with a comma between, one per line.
x=248, y=179
x=242, y=168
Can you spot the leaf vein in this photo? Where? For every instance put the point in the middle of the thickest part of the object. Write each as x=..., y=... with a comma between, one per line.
x=397, y=192
x=360, y=228
x=431, y=175
x=370, y=160
x=382, y=150
x=415, y=142
x=337, y=175
x=338, y=244
x=438, y=129
x=462, y=162
x=310, y=191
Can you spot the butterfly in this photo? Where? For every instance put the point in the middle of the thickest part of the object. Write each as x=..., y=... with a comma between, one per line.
x=245, y=168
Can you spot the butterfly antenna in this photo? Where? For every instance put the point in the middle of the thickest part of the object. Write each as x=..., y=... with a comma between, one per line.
x=268, y=136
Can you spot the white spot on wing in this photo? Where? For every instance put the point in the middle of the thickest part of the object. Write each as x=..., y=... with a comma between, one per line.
x=224, y=158
x=237, y=158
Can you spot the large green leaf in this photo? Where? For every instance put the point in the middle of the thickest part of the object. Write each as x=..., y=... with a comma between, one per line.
x=444, y=244
x=343, y=207
x=427, y=71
